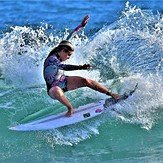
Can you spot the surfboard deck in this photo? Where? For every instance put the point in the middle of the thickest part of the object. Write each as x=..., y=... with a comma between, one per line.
x=82, y=113
x=55, y=121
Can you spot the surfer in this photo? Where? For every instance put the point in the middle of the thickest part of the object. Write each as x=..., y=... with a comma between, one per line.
x=56, y=81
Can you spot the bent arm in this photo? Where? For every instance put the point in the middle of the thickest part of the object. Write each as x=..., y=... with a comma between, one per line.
x=78, y=28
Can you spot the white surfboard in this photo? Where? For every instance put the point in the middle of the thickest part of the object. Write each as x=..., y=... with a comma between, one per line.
x=55, y=121
x=82, y=113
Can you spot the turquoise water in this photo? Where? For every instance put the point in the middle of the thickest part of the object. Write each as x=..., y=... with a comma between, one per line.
x=123, y=43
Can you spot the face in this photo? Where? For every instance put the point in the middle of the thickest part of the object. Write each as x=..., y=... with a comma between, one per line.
x=65, y=54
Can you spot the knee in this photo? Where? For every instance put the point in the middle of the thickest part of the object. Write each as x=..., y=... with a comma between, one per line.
x=55, y=92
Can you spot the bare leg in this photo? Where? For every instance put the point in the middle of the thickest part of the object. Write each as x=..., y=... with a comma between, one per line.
x=74, y=82
x=57, y=93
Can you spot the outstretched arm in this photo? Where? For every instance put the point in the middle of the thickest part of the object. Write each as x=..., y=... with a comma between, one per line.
x=74, y=67
x=78, y=28
x=57, y=63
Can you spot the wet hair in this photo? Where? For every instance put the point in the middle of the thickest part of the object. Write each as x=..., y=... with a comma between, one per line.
x=62, y=45
x=67, y=44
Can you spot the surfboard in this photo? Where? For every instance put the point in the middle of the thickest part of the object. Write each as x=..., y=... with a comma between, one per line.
x=82, y=113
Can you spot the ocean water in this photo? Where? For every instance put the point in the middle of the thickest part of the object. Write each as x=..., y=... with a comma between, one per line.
x=124, y=43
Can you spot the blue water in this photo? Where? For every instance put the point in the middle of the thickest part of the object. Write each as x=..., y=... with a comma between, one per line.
x=123, y=41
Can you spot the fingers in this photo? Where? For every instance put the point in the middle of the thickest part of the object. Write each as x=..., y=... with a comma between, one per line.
x=86, y=66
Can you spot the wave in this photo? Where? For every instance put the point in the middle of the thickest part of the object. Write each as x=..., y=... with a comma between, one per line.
x=133, y=44
x=122, y=54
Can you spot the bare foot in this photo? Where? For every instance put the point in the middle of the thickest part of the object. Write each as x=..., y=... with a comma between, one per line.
x=70, y=112
x=116, y=96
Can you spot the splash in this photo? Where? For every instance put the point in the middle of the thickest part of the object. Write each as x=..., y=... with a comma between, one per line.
x=143, y=108
x=133, y=44
x=73, y=134
x=130, y=51
x=122, y=54
x=23, y=50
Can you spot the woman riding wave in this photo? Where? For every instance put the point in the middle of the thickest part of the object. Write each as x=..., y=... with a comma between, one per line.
x=58, y=83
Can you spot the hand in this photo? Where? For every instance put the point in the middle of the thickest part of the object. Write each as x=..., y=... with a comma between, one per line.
x=85, y=20
x=86, y=66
